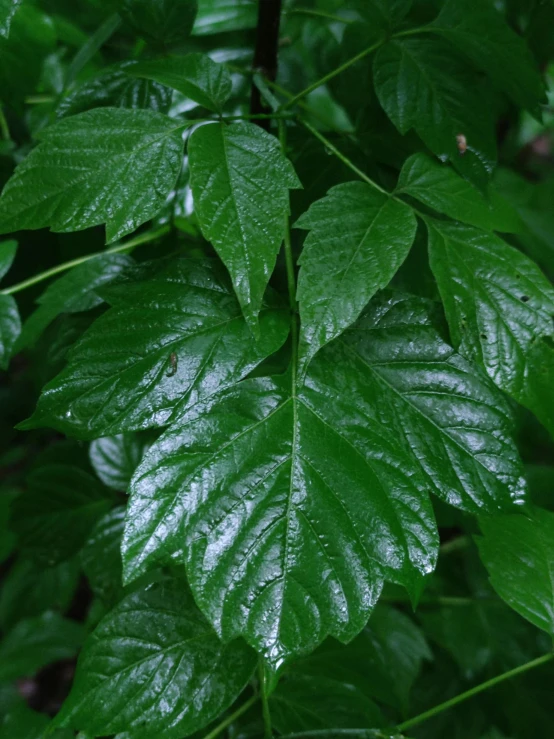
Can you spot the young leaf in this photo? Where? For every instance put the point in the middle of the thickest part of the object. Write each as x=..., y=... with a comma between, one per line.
x=29, y=590
x=114, y=88
x=115, y=458
x=240, y=181
x=8, y=8
x=422, y=84
x=8, y=251
x=312, y=703
x=109, y=165
x=172, y=338
x=161, y=22
x=10, y=328
x=194, y=75
x=482, y=34
x=101, y=556
x=36, y=642
x=518, y=552
x=219, y=16
x=384, y=13
x=499, y=308
x=291, y=508
x=72, y=293
x=156, y=639
x=358, y=239
x=55, y=515
x=439, y=187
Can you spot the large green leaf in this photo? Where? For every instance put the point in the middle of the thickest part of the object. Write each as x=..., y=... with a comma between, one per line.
x=195, y=75
x=8, y=251
x=161, y=22
x=240, y=181
x=382, y=662
x=290, y=508
x=55, y=515
x=358, y=239
x=108, y=165
x=36, y=642
x=518, y=552
x=172, y=338
x=217, y=16
x=154, y=667
x=10, y=327
x=8, y=9
x=115, y=458
x=29, y=590
x=422, y=84
x=482, y=34
x=113, y=87
x=74, y=292
x=439, y=187
x=499, y=308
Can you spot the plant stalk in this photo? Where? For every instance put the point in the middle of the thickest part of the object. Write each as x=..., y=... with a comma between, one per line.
x=265, y=54
x=268, y=730
x=410, y=723
x=233, y=717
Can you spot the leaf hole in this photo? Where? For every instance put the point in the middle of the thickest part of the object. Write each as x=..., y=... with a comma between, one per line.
x=524, y=298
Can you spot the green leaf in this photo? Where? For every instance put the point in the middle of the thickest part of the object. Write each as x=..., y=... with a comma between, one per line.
x=183, y=338
x=218, y=16
x=115, y=458
x=113, y=87
x=158, y=640
x=358, y=239
x=8, y=8
x=8, y=251
x=499, y=308
x=384, y=13
x=383, y=661
x=10, y=327
x=121, y=177
x=29, y=590
x=55, y=515
x=37, y=642
x=76, y=291
x=196, y=76
x=311, y=702
x=518, y=552
x=240, y=181
x=23, y=723
x=422, y=84
x=291, y=508
x=439, y=187
x=161, y=22
x=483, y=35
x=101, y=556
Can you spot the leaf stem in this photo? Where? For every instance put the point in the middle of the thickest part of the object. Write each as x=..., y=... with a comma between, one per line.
x=127, y=246
x=268, y=730
x=319, y=14
x=410, y=723
x=233, y=717
x=439, y=601
x=4, y=130
x=328, y=145
x=266, y=53
x=330, y=75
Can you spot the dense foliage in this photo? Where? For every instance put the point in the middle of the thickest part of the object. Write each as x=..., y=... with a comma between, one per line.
x=282, y=456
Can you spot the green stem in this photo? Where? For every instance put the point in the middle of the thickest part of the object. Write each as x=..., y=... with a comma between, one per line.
x=233, y=717
x=268, y=730
x=474, y=691
x=328, y=145
x=440, y=600
x=38, y=99
x=258, y=116
x=319, y=14
x=333, y=73
x=4, y=130
x=455, y=545
x=127, y=246
x=91, y=46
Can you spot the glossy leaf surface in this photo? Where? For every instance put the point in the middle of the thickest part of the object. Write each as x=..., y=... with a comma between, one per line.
x=160, y=22
x=36, y=642
x=499, y=308
x=423, y=85
x=110, y=165
x=172, y=338
x=358, y=238
x=240, y=182
x=115, y=458
x=8, y=8
x=290, y=509
x=217, y=16
x=57, y=512
x=10, y=328
x=159, y=640
x=8, y=251
x=482, y=34
x=194, y=75
x=518, y=552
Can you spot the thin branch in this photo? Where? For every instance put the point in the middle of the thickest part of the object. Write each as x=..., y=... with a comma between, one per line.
x=265, y=54
x=233, y=717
